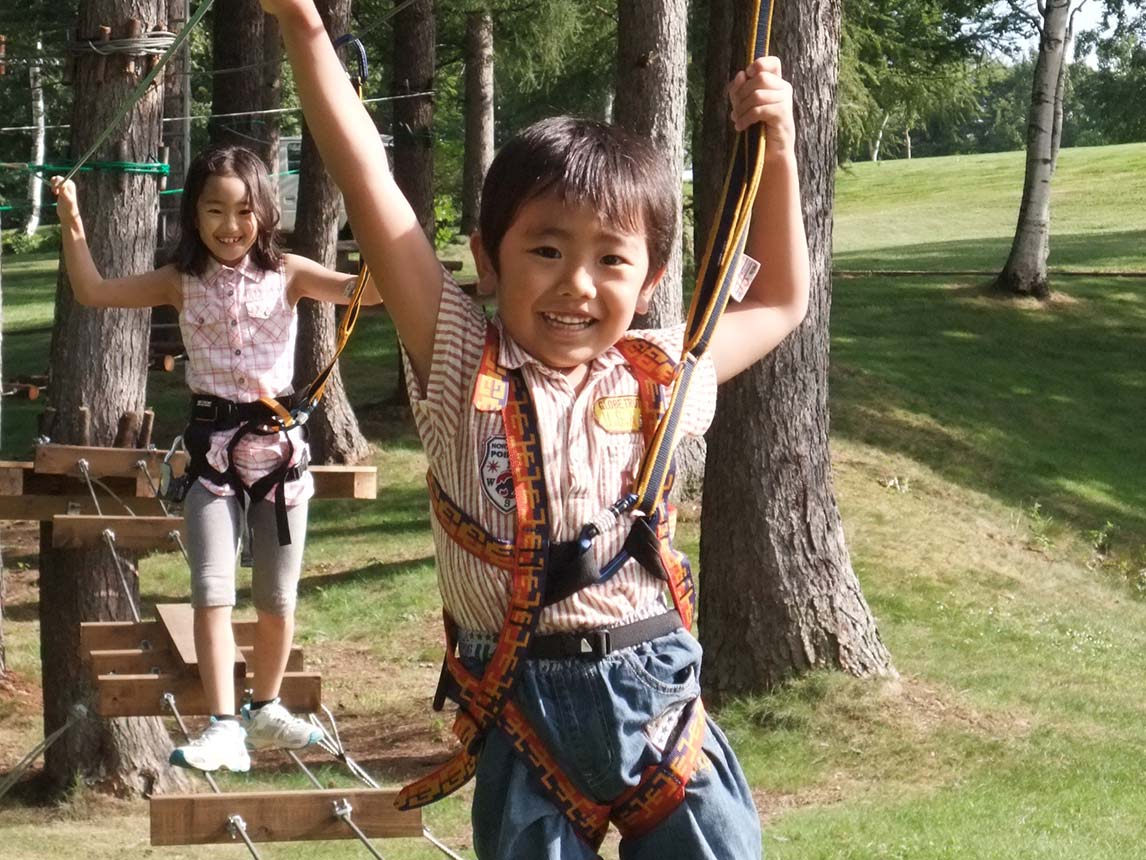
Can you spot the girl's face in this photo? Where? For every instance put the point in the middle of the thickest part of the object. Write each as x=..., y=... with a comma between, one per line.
x=225, y=219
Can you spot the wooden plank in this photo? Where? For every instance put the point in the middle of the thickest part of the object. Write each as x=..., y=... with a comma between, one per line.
x=345, y=482
x=102, y=462
x=178, y=620
x=110, y=635
x=11, y=477
x=278, y=816
x=142, y=695
x=161, y=661
x=86, y=532
x=43, y=508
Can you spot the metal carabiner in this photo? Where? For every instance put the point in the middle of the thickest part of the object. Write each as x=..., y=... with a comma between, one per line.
x=173, y=488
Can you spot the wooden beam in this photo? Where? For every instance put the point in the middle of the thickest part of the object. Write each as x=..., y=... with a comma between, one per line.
x=43, y=508
x=278, y=816
x=11, y=477
x=110, y=635
x=102, y=462
x=142, y=695
x=160, y=661
x=86, y=532
x=178, y=620
x=345, y=482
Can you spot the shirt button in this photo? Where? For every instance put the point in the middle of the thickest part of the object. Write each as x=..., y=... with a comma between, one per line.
x=230, y=292
x=201, y=320
x=238, y=352
x=242, y=380
x=234, y=323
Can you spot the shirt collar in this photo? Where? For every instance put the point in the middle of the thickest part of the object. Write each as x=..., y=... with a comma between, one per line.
x=245, y=268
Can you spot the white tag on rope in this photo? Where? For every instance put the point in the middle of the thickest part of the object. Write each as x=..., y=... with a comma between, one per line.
x=748, y=270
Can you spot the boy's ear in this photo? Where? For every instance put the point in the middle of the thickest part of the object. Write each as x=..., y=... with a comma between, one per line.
x=646, y=293
x=487, y=277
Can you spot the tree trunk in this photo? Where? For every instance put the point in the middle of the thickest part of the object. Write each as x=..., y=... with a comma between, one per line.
x=413, y=163
x=236, y=42
x=778, y=595
x=334, y=433
x=414, y=35
x=650, y=103
x=271, y=94
x=907, y=142
x=479, y=114
x=98, y=371
x=35, y=183
x=1025, y=272
x=875, y=147
x=176, y=135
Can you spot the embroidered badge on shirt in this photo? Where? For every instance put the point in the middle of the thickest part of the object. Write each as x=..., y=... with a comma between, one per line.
x=620, y=414
x=496, y=474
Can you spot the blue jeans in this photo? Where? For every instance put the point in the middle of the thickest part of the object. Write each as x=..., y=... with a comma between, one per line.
x=592, y=715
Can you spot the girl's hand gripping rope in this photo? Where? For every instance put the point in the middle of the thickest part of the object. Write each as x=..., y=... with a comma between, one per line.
x=67, y=203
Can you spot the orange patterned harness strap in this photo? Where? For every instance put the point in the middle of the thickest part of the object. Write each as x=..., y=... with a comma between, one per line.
x=486, y=701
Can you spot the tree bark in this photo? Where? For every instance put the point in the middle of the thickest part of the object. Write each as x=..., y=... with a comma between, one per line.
x=1025, y=272
x=479, y=114
x=35, y=183
x=99, y=371
x=778, y=594
x=176, y=135
x=413, y=162
x=334, y=433
x=650, y=103
x=271, y=94
x=236, y=85
x=414, y=54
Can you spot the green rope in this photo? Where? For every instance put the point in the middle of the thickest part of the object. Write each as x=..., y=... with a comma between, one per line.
x=152, y=167
x=144, y=84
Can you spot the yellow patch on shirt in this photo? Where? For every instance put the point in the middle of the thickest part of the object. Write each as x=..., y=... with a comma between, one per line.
x=621, y=414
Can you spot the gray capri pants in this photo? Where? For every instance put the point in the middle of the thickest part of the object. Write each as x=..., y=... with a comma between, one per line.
x=214, y=527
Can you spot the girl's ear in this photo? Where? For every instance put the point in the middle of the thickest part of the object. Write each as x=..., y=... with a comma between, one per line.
x=487, y=276
x=646, y=293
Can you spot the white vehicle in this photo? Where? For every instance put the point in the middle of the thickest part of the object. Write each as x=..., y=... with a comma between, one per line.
x=290, y=157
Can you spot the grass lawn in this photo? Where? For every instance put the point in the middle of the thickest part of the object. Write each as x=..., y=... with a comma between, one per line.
x=989, y=470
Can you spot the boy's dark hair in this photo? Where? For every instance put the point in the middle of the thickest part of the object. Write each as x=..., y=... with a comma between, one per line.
x=226, y=159
x=583, y=161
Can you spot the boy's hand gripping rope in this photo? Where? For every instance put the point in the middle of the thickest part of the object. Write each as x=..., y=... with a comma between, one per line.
x=718, y=272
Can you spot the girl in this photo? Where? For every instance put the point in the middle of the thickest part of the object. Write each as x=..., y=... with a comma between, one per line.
x=236, y=294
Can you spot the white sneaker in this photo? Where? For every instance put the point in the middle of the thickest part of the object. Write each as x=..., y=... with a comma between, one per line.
x=272, y=727
x=220, y=745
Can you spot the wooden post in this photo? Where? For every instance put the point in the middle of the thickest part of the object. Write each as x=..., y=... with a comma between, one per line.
x=134, y=29
x=146, y=427
x=101, y=59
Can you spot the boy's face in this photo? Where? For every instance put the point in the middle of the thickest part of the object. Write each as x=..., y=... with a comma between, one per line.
x=569, y=283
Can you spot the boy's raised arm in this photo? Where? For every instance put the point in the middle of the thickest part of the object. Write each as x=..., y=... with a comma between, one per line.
x=401, y=259
x=777, y=300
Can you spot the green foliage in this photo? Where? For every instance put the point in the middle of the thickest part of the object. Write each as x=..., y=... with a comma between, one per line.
x=447, y=219
x=45, y=239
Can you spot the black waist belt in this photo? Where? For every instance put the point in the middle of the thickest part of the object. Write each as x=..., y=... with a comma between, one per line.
x=223, y=414
x=595, y=644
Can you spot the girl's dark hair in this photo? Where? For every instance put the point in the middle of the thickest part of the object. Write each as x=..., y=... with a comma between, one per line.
x=227, y=160
x=585, y=162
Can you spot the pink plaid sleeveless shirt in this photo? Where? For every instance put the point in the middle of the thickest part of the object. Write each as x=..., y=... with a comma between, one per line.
x=239, y=330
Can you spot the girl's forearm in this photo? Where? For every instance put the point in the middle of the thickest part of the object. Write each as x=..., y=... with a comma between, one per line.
x=83, y=275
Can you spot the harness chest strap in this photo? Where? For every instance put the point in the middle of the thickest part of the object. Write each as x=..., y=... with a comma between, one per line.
x=486, y=701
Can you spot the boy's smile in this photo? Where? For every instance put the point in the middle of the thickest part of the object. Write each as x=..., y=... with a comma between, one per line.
x=568, y=283
x=227, y=223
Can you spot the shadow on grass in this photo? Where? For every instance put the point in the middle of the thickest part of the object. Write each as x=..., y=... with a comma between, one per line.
x=1026, y=402
x=1114, y=251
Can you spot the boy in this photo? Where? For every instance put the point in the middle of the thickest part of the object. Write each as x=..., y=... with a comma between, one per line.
x=532, y=426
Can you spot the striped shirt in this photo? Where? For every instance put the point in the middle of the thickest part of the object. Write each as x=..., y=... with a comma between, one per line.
x=591, y=449
x=239, y=330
